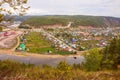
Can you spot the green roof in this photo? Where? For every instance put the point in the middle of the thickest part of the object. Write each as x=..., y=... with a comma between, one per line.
x=22, y=45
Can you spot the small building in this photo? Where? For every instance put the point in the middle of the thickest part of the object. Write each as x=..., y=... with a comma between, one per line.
x=22, y=46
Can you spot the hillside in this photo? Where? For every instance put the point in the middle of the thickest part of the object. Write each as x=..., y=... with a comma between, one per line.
x=78, y=20
x=12, y=70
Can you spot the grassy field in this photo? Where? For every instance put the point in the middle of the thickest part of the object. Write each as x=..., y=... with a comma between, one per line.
x=37, y=44
x=11, y=70
x=88, y=43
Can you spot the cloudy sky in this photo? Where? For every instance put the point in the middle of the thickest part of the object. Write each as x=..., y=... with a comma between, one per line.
x=75, y=7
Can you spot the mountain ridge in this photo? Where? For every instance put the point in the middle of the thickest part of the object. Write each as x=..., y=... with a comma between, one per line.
x=78, y=20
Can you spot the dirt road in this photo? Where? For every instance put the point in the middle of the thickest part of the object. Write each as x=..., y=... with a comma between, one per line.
x=10, y=40
x=39, y=59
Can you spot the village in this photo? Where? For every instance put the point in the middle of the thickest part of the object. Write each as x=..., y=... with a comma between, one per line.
x=71, y=39
x=83, y=38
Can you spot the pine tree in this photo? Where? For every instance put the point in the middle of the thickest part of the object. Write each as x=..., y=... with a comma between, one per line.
x=112, y=53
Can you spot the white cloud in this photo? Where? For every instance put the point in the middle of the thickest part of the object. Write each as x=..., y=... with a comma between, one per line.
x=79, y=7
x=33, y=11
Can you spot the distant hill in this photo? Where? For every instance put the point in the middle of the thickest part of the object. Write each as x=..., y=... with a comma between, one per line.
x=15, y=18
x=21, y=18
x=78, y=20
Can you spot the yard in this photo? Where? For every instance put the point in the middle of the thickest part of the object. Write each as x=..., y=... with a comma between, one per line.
x=36, y=43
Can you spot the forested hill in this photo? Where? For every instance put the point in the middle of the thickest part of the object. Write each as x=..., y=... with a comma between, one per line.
x=78, y=20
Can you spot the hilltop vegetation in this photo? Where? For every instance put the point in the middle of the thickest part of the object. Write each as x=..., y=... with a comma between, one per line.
x=112, y=53
x=11, y=70
x=94, y=21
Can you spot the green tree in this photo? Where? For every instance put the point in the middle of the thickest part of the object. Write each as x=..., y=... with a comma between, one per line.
x=93, y=60
x=112, y=54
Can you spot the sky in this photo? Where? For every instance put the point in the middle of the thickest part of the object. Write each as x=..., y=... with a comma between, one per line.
x=74, y=7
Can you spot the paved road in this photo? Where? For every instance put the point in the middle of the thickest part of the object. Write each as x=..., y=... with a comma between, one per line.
x=36, y=59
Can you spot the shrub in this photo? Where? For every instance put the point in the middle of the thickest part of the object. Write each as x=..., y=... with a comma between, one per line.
x=64, y=71
x=63, y=66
